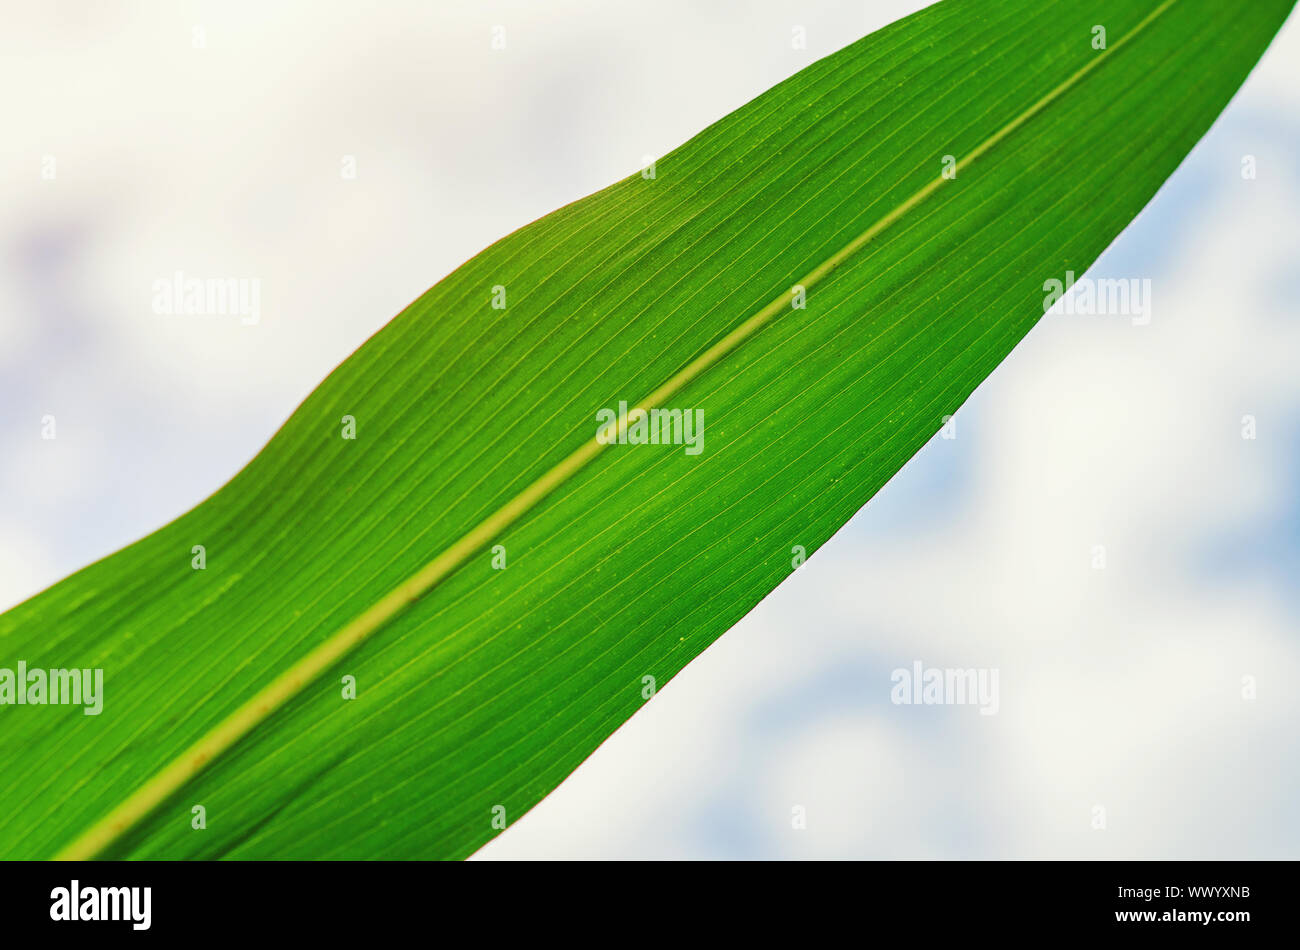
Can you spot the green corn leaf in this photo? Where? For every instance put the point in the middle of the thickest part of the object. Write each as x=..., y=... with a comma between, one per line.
x=808, y=287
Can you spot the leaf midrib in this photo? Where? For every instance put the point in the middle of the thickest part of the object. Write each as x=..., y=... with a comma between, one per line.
x=306, y=670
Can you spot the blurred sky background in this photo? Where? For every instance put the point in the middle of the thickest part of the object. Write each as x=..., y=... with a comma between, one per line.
x=209, y=138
